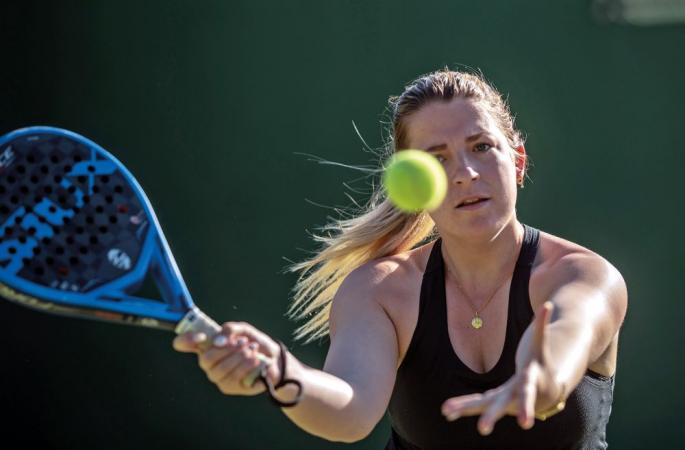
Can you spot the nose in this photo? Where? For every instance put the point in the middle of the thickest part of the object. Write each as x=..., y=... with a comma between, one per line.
x=464, y=173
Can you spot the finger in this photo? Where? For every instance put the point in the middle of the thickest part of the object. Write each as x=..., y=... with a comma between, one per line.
x=526, y=404
x=450, y=405
x=272, y=372
x=223, y=368
x=244, y=329
x=189, y=342
x=466, y=405
x=236, y=368
x=210, y=358
x=267, y=346
x=183, y=344
x=243, y=373
x=542, y=319
x=495, y=411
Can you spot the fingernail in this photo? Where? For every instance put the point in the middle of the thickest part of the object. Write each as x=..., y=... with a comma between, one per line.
x=452, y=417
x=485, y=430
x=253, y=345
x=220, y=341
x=241, y=341
x=199, y=338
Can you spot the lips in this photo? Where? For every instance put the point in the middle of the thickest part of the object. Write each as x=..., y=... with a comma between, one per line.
x=472, y=201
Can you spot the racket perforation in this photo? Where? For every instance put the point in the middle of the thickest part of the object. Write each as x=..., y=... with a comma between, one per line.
x=73, y=208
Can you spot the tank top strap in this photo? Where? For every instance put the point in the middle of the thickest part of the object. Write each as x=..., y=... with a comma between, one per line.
x=430, y=301
x=519, y=291
x=432, y=298
x=435, y=259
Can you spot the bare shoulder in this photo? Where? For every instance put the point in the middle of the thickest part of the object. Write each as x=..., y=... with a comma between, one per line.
x=379, y=301
x=561, y=262
x=560, y=255
x=391, y=283
x=388, y=276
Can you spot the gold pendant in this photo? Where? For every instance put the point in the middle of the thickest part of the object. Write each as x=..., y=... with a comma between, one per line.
x=476, y=322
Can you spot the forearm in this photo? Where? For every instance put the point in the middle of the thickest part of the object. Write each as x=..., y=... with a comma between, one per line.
x=328, y=407
x=570, y=347
x=567, y=357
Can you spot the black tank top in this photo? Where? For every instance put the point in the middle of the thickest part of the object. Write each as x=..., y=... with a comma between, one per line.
x=431, y=372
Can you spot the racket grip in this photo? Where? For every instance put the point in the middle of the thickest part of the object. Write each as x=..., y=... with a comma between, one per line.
x=198, y=322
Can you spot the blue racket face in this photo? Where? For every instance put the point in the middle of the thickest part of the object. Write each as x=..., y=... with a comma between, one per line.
x=77, y=233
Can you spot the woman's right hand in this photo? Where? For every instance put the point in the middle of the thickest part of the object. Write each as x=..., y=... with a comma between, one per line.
x=233, y=357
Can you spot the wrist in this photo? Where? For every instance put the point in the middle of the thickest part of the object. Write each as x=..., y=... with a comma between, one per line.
x=283, y=378
x=294, y=371
x=552, y=400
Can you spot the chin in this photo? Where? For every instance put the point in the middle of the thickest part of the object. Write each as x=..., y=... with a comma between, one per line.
x=461, y=225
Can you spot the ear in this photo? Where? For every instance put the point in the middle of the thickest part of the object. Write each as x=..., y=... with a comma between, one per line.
x=521, y=160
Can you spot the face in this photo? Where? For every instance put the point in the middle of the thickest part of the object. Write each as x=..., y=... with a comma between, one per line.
x=478, y=161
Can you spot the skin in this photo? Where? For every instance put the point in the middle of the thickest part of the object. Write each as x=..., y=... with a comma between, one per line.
x=579, y=299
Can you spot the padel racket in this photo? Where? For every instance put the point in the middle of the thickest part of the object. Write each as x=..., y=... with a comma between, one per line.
x=78, y=237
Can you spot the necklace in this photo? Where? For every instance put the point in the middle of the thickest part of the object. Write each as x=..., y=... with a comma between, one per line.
x=476, y=320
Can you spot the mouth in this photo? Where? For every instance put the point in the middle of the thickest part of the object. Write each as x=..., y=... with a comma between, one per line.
x=473, y=203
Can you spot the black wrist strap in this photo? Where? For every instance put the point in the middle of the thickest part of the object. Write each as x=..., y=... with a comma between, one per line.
x=271, y=388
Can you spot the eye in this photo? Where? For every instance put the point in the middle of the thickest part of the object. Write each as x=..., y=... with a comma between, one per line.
x=482, y=147
x=440, y=158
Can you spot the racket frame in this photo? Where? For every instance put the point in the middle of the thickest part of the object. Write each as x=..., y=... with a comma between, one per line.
x=111, y=301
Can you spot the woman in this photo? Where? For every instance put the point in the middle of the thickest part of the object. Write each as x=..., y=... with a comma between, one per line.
x=466, y=339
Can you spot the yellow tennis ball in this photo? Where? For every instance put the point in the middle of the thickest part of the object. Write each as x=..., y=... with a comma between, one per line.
x=415, y=181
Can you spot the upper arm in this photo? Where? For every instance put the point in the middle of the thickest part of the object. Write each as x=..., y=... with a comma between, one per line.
x=590, y=294
x=363, y=343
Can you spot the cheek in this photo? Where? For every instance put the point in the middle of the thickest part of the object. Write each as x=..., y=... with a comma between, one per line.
x=505, y=171
x=507, y=176
x=510, y=168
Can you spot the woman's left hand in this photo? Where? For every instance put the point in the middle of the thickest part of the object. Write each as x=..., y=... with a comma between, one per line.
x=532, y=385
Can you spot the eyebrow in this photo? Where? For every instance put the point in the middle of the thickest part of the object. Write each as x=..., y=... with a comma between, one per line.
x=440, y=147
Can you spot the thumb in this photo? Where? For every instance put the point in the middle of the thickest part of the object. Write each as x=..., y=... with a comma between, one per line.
x=542, y=319
x=266, y=345
x=189, y=342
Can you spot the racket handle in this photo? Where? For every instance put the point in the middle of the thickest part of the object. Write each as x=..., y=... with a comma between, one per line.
x=199, y=322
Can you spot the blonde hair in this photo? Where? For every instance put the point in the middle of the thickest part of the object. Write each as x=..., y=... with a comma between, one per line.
x=378, y=229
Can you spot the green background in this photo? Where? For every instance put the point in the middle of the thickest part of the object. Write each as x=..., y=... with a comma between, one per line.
x=211, y=103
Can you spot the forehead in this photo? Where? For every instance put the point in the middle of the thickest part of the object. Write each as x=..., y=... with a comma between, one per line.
x=446, y=120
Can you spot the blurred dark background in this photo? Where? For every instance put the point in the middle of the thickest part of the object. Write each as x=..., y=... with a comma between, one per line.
x=210, y=104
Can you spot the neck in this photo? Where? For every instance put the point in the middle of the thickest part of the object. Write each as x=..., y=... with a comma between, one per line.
x=478, y=264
